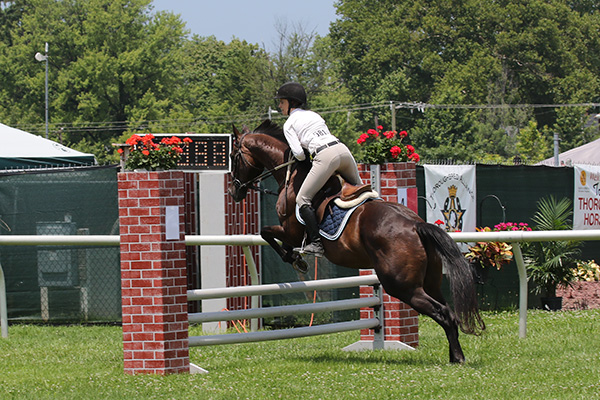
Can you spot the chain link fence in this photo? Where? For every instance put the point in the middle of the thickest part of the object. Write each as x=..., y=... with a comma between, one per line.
x=61, y=283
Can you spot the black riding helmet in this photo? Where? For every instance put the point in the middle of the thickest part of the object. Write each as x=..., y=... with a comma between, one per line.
x=292, y=91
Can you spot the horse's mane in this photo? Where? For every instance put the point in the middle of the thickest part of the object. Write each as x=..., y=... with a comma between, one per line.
x=270, y=128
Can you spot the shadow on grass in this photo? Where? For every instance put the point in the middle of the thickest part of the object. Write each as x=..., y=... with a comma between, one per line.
x=407, y=358
x=373, y=357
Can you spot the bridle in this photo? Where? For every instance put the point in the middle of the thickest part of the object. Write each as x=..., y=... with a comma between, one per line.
x=239, y=185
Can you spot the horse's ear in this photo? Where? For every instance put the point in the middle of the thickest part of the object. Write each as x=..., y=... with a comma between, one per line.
x=236, y=132
x=264, y=125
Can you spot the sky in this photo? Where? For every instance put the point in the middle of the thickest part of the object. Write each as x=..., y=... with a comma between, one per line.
x=251, y=20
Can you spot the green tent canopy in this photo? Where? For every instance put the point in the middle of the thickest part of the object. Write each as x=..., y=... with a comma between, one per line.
x=22, y=150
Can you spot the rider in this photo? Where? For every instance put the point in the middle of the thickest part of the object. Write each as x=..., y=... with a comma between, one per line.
x=306, y=129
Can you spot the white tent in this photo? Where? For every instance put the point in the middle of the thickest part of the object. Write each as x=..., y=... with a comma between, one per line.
x=20, y=149
x=588, y=153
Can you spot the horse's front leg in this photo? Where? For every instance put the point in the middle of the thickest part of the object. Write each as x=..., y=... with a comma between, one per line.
x=276, y=232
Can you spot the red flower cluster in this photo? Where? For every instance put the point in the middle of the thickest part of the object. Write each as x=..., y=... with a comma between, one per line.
x=512, y=226
x=381, y=146
x=146, y=153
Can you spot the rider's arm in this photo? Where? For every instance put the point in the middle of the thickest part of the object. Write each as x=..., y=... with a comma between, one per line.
x=292, y=138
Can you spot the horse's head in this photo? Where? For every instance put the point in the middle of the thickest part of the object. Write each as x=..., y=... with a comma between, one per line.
x=244, y=168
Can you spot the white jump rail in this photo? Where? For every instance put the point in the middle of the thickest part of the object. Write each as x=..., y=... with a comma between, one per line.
x=289, y=287
x=513, y=237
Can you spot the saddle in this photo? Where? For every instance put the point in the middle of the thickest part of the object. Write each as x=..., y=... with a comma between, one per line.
x=342, y=194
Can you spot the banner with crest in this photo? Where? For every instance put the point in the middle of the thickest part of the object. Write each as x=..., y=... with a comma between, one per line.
x=451, y=197
x=586, y=200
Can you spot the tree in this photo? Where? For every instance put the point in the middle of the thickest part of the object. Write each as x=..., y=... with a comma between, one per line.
x=111, y=64
x=511, y=52
x=534, y=145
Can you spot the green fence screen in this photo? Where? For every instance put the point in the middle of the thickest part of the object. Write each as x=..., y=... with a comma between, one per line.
x=61, y=283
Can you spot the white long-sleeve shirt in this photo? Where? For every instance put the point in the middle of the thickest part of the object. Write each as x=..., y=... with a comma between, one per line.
x=305, y=129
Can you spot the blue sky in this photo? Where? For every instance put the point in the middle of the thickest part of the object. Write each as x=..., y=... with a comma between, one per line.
x=251, y=20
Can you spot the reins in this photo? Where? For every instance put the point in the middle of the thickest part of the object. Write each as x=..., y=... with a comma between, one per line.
x=266, y=174
x=250, y=184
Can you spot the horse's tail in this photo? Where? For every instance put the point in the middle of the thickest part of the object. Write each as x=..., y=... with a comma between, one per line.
x=462, y=284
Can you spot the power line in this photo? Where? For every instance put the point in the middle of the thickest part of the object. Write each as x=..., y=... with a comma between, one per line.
x=112, y=126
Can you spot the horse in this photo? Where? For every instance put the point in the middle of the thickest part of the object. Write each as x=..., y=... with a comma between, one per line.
x=406, y=253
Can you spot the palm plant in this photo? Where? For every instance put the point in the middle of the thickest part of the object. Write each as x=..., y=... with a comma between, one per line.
x=550, y=264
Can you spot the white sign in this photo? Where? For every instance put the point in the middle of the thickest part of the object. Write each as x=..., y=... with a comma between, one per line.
x=403, y=196
x=586, y=199
x=451, y=196
x=172, y=222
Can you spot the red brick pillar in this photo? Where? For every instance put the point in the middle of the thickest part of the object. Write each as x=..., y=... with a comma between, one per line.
x=153, y=272
x=401, y=323
x=241, y=218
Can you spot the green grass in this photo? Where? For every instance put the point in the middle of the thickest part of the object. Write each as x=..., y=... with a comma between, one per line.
x=559, y=359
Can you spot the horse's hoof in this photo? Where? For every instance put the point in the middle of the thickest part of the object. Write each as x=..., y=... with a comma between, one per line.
x=300, y=265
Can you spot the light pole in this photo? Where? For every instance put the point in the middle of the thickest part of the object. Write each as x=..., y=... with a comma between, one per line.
x=44, y=57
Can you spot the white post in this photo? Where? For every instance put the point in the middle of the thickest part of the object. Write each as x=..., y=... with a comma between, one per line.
x=255, y=300
x=3, y=310
x=522, y=289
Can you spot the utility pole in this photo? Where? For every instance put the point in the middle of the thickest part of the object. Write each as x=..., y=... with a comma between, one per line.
x=44, y=57
x=393, y=110
x=556, y=142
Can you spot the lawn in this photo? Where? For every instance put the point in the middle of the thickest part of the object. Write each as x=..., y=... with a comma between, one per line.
x=559, y=359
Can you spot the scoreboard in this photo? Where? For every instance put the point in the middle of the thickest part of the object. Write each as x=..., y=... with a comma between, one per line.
x=206, y=152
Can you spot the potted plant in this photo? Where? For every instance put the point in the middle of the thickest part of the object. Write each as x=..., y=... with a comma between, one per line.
x=552, y=264
x=146, y=153
x=379, y=146
x=485, y=255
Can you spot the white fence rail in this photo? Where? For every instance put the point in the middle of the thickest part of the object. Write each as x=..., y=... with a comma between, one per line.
x=290, y=287
x=513, y=237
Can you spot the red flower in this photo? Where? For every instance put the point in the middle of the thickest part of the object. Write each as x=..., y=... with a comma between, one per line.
x=379, y=146
x=396, y=151
x=145, y=152
x=363, y=138
x=414, y=157
x=147, y=139
x=187, y=140
x=133, y=140
x=120, y=151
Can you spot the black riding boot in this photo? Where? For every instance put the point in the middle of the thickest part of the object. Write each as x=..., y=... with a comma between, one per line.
x=314, y=245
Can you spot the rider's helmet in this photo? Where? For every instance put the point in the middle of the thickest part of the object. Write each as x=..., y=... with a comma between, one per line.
x=292, y=91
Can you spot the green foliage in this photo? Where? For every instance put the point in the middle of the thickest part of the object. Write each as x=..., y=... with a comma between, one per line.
x=551, y=264
x=118, y=67
x=472, y=52
x=557, y=360
x=532, y=144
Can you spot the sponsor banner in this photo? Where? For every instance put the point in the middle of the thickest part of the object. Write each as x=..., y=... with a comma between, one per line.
x=450, y=191
x=586, y=199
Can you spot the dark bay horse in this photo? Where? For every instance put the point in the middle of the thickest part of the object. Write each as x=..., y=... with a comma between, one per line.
x=406, y=253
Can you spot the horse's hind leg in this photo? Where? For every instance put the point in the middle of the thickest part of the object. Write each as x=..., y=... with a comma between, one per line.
x=443, y=315
x=439, y=312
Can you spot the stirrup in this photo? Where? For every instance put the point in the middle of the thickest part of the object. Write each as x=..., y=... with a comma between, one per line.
x=313, y=248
